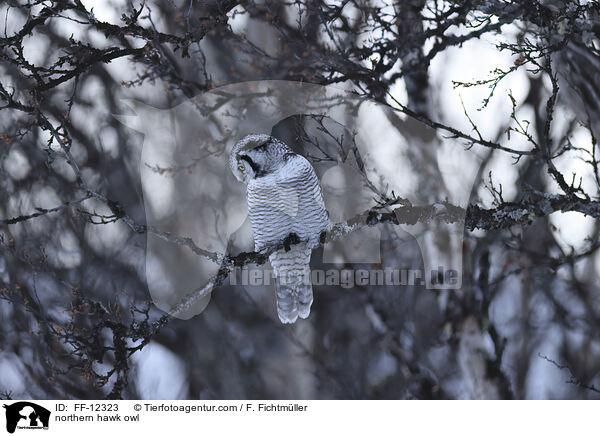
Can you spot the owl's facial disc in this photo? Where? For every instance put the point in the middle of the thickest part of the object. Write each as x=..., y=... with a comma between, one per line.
x=257, y=156
x=253, y=165
x=246, y=168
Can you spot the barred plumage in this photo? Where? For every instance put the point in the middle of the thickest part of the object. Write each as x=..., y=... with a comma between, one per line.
x=284, y=199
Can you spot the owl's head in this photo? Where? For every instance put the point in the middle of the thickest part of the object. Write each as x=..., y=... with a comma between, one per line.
x=256, y=156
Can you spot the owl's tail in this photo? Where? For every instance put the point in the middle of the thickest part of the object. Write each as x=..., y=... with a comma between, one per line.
x=292, y=283
x=293, y=301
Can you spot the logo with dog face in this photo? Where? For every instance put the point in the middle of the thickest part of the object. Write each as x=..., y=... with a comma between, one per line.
x=26, y=415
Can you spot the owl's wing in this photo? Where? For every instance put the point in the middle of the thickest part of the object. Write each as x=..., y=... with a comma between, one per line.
x=273, y=196
x=271, y=209
x=298, y=175
x=286, y=199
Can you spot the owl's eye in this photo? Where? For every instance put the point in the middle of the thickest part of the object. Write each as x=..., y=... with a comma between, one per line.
x=241, y=167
